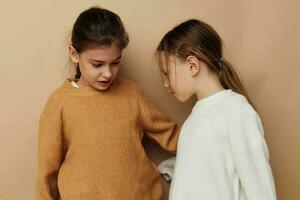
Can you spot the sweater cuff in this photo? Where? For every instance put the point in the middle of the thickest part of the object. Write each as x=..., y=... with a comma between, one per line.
x=166, y=168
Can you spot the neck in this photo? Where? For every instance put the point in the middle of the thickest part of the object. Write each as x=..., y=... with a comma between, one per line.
x=211, y=86
x=81, y=82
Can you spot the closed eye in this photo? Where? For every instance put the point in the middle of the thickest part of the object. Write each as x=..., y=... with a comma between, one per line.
x=116, y=63
x=97, y=65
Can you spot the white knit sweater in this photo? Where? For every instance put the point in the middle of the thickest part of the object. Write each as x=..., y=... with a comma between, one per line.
x=222, y=154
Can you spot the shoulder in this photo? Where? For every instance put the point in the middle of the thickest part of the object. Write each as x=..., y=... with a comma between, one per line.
x=242, y=118
x=134, y=90
x=136, y=93
x=55, y=100
x=237, y=105
x=239, y=112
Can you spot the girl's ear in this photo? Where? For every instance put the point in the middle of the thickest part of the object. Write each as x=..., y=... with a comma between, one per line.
x=193, y=65
x=73, y=54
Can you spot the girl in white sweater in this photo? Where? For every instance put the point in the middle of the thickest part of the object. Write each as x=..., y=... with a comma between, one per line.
x=222, y=154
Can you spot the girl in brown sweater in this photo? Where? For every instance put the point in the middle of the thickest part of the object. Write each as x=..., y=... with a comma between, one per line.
x=91, y=128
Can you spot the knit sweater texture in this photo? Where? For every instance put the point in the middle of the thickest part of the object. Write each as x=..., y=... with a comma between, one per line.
x=90, y=144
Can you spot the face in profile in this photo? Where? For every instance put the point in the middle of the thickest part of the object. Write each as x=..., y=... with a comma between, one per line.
x=176, y=77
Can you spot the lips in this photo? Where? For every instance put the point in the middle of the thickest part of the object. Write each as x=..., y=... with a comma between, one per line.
x=104, y=83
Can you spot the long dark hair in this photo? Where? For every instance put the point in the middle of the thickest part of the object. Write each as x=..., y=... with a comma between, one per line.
x=97, y=26
x=196, y=38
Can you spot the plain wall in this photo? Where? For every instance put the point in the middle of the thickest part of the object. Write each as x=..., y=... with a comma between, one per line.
x=262, y=40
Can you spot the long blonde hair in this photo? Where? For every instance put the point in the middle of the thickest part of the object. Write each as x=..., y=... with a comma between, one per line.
x=196, y=38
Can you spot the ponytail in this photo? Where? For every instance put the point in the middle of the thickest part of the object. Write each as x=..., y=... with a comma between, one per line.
x=230, y=79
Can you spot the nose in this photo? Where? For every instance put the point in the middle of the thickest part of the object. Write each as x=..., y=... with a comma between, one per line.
x=107, y=72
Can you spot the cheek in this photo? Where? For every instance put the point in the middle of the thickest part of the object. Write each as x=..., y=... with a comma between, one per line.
x=172, y=78
x=115, y=70
x=85, y=68
x=184, y=87
x=91, y=72
x=82, y=68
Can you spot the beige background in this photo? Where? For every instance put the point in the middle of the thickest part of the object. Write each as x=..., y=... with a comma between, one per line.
x=262, y=40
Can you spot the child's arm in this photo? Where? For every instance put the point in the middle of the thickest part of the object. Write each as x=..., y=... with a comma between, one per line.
x=251, y=157
x=157, y=126
x=50, y=154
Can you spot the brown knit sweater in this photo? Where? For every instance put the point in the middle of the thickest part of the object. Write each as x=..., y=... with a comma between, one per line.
x=90, y=144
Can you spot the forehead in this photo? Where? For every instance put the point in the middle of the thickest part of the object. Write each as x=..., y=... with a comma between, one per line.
x=103, y=53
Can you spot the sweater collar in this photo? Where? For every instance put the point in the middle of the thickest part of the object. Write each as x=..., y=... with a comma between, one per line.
x=87, y=90
x=200, y=104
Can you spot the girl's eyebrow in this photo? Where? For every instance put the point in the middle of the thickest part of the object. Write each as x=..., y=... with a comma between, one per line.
x=100, y=61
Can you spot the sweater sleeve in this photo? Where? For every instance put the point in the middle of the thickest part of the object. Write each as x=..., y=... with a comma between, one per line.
x=157, y=126
x=251, y=157
x=50, y=153
x=166, y=168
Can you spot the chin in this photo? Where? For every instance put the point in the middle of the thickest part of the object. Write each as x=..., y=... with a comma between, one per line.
x=181, y=98
x=101, y=87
